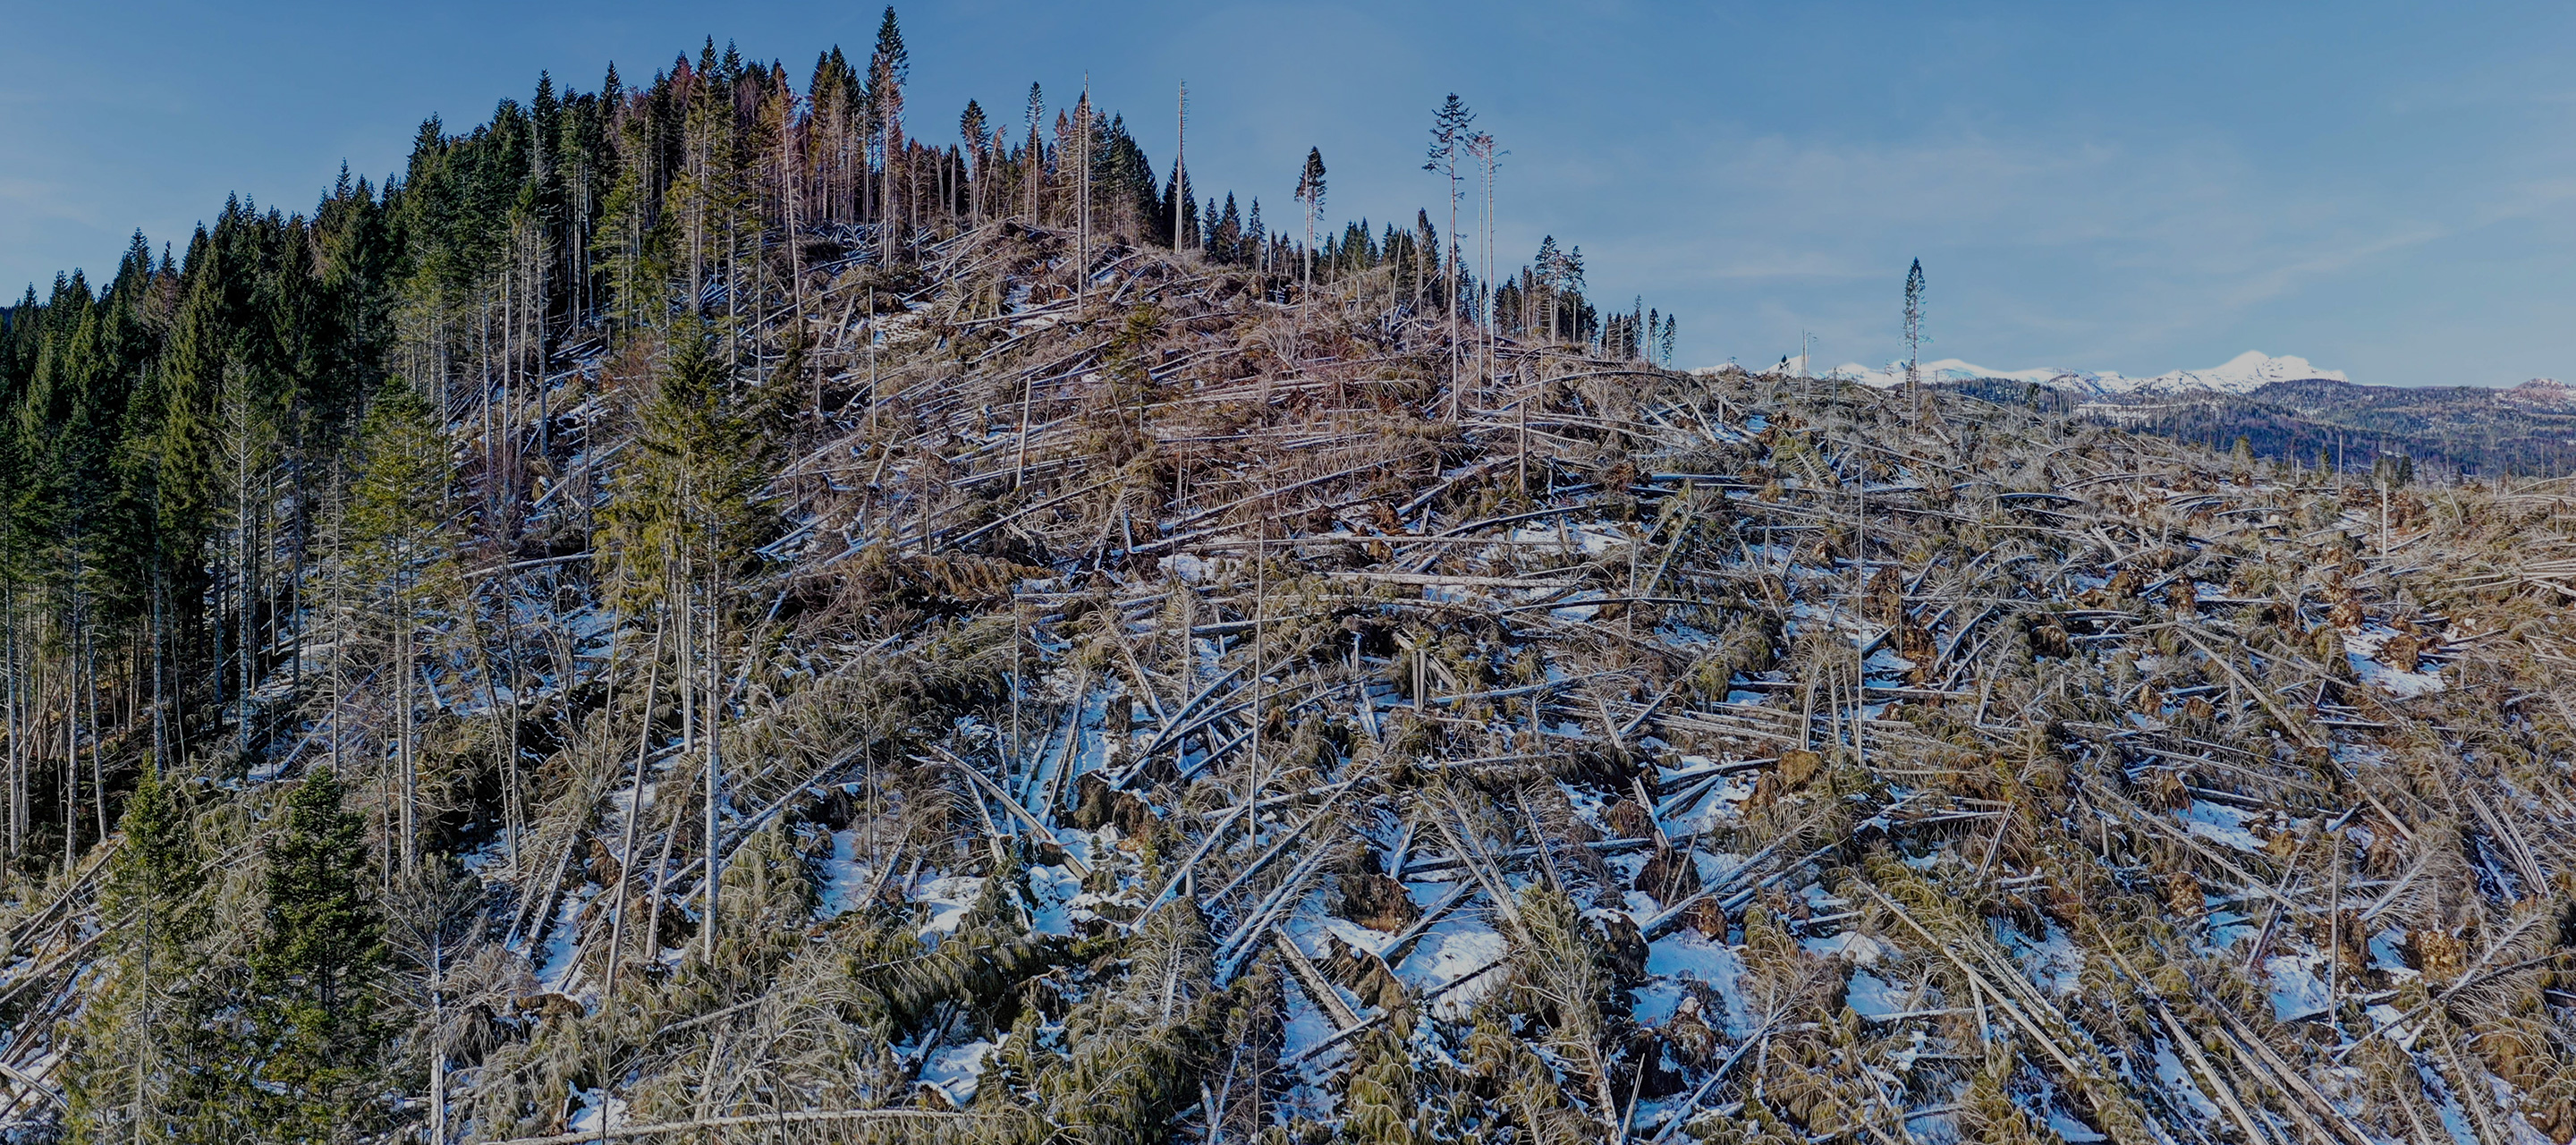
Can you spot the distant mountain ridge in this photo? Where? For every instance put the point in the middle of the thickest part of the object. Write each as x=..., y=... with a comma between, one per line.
x=2460, y=430
x=2288, y=407
x=2242, y=374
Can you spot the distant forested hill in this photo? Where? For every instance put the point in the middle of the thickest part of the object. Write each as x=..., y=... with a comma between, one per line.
x=2452, y=430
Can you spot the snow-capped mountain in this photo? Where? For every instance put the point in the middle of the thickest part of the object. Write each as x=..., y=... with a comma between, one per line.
x=2241, y=374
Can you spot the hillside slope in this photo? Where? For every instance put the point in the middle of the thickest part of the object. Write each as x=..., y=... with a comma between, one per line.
x=1158, y=717
x=935, y=670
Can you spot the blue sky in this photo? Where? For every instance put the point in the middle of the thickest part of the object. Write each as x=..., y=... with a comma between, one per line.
x=2385, y=189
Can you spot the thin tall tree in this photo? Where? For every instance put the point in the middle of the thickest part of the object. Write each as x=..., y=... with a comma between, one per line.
x=1310, y=191
x=1487, y=156
x=1913, y=328
x=1449, y=136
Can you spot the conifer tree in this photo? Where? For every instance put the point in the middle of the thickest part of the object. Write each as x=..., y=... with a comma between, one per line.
x=972, y=129
x=316, y=967
x=679, y=524
x=433, y=916
x=1258, y=250
x=1550, y=277
x=888, y=67
x=1034, y=153
x=1451, y=130
x=1569, y=287
x=402, y=550
x=1310, y=191
x=1481, y=145
x=1913, y=327
x=626, y=246
x=1083, y=162
x=1382, y=1104
x=17, y=339
x=138, y=1057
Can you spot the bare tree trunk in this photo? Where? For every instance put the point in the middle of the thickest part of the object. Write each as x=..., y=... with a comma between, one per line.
x=406, y=752
x=1082, y=181
x=160, y=728
x=14, y=715
x=634, y=817
x=715, y=757
x=89, y=688
x=71, y=780
x=437, y=1044
x=1452, y=260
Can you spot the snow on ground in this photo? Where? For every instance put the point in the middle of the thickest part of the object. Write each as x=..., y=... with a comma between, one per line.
x=2219, y=823
x=1657, y=1001
x=1455, y=947
x=2053, y=962
x=1852, y=944
x=956, y=1071
x=591, y=1116
x=1305, y=1028
x=2385, y=956
x=1591, y=538
x=2070, y=1130
x=2298, y=986
x=1690, y=955
x=555, y=973
x=1873, y=997
x=1055, y=890
x=949, y=897
x=2226, y=927
x=845, y=879
x=2177, y=1080
x=2361, y=649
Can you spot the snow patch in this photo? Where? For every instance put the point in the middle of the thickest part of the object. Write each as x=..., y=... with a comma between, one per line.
x=1451, y=952
x=2297, y=992
x=1852, y=944
x=949, y=898
x=845, y=881
x=2054, y=962
x=555, y=976
x=1871, y=996
x=1054, y=888
x=2220, y=824
x=2070, y=1130
x=1691, y=956
x=597, y=1110
x=2361, y=650
x=956, y=1071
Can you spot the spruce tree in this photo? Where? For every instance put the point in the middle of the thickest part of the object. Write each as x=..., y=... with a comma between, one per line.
x=1451, y=129
x=139, y=1055
x=402, y=548
x=1310, y=191
x=316, y=967
x=680, y=523
x=1034, y=154
x=1543, y=276
x=1913, y=327
x=888, y=67
x=971, y=129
